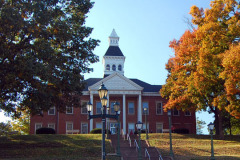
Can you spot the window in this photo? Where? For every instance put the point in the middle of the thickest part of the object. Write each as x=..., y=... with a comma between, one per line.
x=159, y=128
x=159, y=108
x=145, y=105
x=51, y=111
x=187, y=113
x=69, y=126
x=108, y=67
x=51, y=125
x=131, y=128
x=119, y=67
x=98, y=125
x=112, y=111
x=175, y=112
x=69, y=110
x=99, y=108
x=114, y=67
x=130, y=107
x=84, y=107
x=38, y=125
x=84, y=128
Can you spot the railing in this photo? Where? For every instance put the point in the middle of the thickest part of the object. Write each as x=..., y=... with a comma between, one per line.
x=147, y=154
x=160, y=157
x=136, y=144
x=129, y=140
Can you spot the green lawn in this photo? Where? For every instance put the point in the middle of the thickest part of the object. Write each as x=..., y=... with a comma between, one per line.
x=88, y=147
x=197, y=147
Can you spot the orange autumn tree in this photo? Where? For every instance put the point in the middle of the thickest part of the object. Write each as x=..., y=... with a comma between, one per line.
x=200, y=58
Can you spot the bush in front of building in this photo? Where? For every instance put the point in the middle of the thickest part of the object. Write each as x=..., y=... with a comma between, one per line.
x=98, y=131
x=45, y=131
x=181, y=131
x=142, y=131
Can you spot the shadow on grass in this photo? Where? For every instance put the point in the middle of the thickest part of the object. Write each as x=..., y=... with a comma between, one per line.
x=52, y=147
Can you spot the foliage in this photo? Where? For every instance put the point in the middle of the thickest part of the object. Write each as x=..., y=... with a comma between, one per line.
x=45, y=131
x=200, y=125
x=22, y=123
x=5, y=128
x=44, y=51
x=231, y=125
x=196, y=79
x=98, y=131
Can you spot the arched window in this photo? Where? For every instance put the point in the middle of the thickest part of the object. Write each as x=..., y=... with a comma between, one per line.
x=114, y=67
x=119, y=67
x=108, y=67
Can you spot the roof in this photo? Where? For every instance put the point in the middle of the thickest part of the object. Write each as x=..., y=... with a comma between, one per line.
x=147, y=87
x=114, y=51
x=114, y=34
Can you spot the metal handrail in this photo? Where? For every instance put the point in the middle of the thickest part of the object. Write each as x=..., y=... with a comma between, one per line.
x=160, y=157
x=136, y=144
x=129, y=140
x=147, y=154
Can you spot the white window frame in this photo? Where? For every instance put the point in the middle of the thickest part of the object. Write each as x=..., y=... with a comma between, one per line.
x=67, y=110
x=54, y=110
x=98, y=124
x=157, y=108
x=98, y=102
x=84, y=107
x=159, y=123
x=51, y=124
x=133, y=108
x=84, y=123
x=67, y=126
x=38, y=127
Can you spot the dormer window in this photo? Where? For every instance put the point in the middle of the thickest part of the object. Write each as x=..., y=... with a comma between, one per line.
x=108, y=67
x=119, y=67
x=114, y=67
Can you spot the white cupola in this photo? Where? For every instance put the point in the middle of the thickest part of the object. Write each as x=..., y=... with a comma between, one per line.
x=113, y=60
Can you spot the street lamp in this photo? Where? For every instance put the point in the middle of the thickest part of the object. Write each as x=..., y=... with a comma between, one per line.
x=117, y=110
x=102, y=91
x=170, y=133
x=210, y=127
x=145, y=111
x=139, y=126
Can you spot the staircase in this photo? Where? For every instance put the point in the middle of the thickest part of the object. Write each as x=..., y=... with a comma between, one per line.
x=129, y=151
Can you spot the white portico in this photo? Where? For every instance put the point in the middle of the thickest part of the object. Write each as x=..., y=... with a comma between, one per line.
x=119, y=85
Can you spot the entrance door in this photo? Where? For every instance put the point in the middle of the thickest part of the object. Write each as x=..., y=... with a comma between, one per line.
x=113, y=128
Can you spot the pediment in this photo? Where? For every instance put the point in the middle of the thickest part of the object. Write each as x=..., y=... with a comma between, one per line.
x=116, y=82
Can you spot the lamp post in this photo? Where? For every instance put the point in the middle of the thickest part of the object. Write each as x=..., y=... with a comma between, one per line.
x=102, y=91
x=145, y=110
x=170, y=133
x=210, y=127
x=139, y=126
x=117, y=110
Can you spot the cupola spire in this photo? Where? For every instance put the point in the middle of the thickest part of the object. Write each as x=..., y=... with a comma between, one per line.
x=113, y=38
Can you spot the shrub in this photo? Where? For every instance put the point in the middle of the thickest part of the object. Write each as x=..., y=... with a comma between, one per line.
x=98, y=131
x=142, y=131
x=181, y=131
x=45, y=131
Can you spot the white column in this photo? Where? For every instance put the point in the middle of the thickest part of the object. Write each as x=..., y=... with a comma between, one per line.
x=91, y=120
x=139, y=107
x=124, y=114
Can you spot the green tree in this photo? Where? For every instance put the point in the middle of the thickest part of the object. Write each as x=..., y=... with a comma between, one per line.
x=22, y=123
x=45, y=49
x=200, y=125
x=5, y=128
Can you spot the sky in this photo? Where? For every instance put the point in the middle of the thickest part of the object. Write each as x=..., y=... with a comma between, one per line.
x=145, y=28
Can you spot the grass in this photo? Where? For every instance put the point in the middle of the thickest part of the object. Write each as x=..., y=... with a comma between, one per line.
x=60, y=147
x=88, y=147
x=197, y=147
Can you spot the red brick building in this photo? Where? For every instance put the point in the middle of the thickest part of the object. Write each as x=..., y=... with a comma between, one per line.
x=132, y=94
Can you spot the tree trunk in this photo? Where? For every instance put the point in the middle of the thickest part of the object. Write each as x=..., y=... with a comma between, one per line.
x=218, y=123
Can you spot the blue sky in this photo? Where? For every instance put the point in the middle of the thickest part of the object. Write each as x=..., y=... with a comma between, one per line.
x=145, y=28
